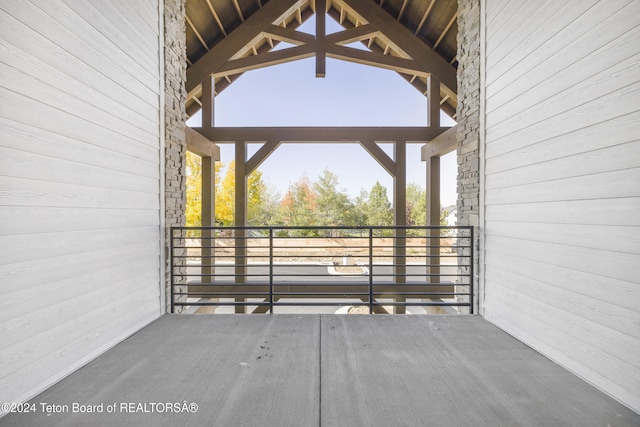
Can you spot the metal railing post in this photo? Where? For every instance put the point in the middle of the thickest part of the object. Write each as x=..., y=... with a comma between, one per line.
x=270, y=270
x=471, y=277
x=171, y=260
x=370, y=270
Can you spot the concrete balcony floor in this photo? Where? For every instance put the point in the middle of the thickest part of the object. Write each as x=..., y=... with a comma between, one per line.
x=326, y=370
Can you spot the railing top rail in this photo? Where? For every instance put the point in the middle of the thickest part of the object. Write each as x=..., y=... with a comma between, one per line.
x=328, y=227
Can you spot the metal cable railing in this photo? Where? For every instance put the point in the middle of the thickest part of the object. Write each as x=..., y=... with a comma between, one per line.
x=384, y=269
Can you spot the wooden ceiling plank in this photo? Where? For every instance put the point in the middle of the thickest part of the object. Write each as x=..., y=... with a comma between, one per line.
x=447, y=28
x=216, y=17
x=197, y=33
x=272, y=11
x=288, y=35
x=398, y=34
x=267, y=59
x=424, y=17
x=354, y=34
x=376, y=59
x=320, y=134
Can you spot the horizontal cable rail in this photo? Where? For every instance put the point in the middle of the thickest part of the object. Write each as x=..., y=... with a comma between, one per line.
x=383, y=269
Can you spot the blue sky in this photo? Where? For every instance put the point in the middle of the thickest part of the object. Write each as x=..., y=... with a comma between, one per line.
x=350, y=95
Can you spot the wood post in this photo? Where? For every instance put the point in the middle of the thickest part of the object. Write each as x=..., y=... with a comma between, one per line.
x=400, y=218
x=208, y=99
x=321, y=49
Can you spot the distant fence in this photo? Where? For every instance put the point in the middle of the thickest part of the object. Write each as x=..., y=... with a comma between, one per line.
x=383, y=269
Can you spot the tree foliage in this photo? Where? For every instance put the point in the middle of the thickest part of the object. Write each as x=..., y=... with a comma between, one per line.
x=194, y=190
x=378, y=209
x=300, y=204
x=304, y=203
x=333, y=205
x=416, y=205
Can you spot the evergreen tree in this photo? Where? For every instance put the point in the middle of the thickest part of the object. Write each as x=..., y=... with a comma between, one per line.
x=378, y=208
x=333, y=206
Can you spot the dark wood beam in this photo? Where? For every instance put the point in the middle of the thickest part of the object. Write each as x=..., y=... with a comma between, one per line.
x=260, y=156
x=320, y=134
x=355, y=34
x=375, y=59
x=288, y=35
x=442, y=144
x=267, y=59
x=403, y=40
x=198, y=144
x=380, y=156
x=246, y=34
x=321, y=46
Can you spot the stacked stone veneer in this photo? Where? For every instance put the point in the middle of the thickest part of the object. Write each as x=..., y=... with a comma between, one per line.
x=468, y=118
x=175, y=72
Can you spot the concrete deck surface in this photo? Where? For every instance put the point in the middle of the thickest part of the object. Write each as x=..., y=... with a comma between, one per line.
x=325, y=370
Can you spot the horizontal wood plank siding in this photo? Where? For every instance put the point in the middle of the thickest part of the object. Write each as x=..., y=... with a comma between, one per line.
x=562, y=184
x=80, y=178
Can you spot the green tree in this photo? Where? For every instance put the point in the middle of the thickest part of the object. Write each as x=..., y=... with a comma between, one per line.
x=378, y=208
x=333, y=206
x=416, y=205
x=268, y=210
x=299, y=205
x=225, y=197
x=193, y=212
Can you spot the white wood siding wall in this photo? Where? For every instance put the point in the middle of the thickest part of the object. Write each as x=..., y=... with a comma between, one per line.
x=562, y=184
x=79, y=183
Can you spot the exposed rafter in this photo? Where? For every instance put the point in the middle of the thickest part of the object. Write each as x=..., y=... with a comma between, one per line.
x=250, y=45
x=375, y=59
x=248, y=33
x=267, y=59
x=193, y=27
x=404, y=41
x=355, y=34
x=404, y=5
x=453, y=19
x=288, y=35
x=424, y=17
x=216, y=17
x=236, y=6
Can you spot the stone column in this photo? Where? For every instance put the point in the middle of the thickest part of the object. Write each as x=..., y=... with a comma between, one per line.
x=175, y=69
x=468, y=117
